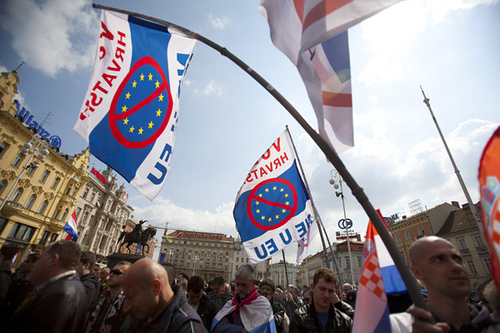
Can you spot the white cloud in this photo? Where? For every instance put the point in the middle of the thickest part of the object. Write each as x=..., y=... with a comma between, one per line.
x=48, y=34
x=163, y=210
x=218, y=22
x=389, y=35
x=212, y=88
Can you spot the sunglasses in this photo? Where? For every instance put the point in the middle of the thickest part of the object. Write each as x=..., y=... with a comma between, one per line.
x=116, y=272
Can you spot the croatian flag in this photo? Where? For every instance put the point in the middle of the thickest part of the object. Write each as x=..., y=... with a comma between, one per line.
x=313, y=35
x=70, y=228
x=379, y=277
x=273, y=208
x=489, y=180
x=131, y=108
x=393, y=281
x=372, y=312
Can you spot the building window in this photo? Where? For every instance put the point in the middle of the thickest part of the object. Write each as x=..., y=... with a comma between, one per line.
x=45, y=175
x=43, y=207
x=65, y=215
x=3, y=148
x=21, y=232
x=408, y=235
x=53, y=238
x=487, y=264
x=31, y=169
x=421, y=230
x=17, y=194
x=58, y=212
x=3, y=185
x=56, y=182
x=398, y=238
x=462, y=245
x=472, y=268
x=18, y=160
x=74, y=191
x=478, y=241
x=31, y=201
x=44, y=238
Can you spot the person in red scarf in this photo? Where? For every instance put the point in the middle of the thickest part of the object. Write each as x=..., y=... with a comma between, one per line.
x=247, y=311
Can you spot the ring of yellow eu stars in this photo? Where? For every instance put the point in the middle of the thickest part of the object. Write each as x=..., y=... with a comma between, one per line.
x=127, y=96
x=269, y=219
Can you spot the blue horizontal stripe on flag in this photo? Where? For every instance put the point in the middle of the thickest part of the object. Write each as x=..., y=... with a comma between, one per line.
x=393, y=282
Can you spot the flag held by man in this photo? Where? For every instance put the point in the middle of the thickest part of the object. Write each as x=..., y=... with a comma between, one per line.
x=273, y=208
x=131, y=108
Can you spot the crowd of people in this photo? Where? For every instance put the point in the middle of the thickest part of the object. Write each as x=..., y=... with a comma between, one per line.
x=64, y=290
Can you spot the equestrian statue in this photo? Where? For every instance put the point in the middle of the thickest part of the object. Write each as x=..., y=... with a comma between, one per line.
x=137, y=236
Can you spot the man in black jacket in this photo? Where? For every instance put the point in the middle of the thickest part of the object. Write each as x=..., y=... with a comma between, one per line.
x=321, y=315
x=199, y=301
x=58, y=302
x=281, y=319
x=87, y=277
x=156, y=305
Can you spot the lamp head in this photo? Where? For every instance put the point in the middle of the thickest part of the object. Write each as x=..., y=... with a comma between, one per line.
x=336, y=186
x=332, y=181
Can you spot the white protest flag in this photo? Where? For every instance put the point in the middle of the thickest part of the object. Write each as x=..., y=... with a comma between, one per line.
x=273, y=208
x=131, y=108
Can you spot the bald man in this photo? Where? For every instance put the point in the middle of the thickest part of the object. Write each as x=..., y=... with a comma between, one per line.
x=438, y=264
x=156, y=305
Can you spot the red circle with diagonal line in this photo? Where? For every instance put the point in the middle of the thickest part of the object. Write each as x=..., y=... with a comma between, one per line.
x=291, y=209
x=115, y=116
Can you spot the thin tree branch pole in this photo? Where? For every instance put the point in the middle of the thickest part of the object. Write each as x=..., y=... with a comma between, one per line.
x=330, y=153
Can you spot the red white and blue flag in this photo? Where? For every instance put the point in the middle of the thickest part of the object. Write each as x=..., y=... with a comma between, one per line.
x=273, y=208
x=70, y=228
x=379, y=277
x=313, y=35
x=131, y=108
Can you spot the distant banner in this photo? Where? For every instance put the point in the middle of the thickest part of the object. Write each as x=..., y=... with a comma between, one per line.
x=131, y=108
x=273, y=208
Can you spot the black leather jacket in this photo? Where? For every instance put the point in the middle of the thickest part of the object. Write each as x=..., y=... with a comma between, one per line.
x=177, y=317
x=306, y=320
x=207, y=311
x=58, y=307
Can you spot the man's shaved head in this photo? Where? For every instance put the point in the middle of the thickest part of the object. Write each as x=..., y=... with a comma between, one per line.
x=146, y=288
x=417, y=249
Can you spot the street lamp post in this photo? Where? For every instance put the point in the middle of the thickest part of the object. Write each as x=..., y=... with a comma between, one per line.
x=336, y=181
x=194, y=263
x=36, y=145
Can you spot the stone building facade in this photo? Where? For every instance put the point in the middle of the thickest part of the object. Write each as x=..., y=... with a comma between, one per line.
x=39, y=185
x=207, y=255
x=101, y=213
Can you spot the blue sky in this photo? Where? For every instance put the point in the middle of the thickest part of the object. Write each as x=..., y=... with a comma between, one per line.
x=227, y=120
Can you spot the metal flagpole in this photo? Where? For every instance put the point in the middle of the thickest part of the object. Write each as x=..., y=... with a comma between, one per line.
x=284, y=265
x=455, y=168
x=316, y=214
x=330, y=153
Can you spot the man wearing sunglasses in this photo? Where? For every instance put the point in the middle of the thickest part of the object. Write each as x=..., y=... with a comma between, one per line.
x=107, y=314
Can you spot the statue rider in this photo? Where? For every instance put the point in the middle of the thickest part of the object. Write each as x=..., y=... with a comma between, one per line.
x=138, y=229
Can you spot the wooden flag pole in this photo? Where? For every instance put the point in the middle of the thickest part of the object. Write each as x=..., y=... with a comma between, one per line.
x=331, y=154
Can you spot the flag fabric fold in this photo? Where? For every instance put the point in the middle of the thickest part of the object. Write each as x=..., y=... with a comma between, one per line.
x=313, y=35
x=131, y=108
x=273, y=208
x=70, y=228
x=489, y=182
x=256, y=316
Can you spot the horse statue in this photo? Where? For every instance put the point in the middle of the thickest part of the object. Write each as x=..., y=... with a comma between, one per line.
x=132, y=237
